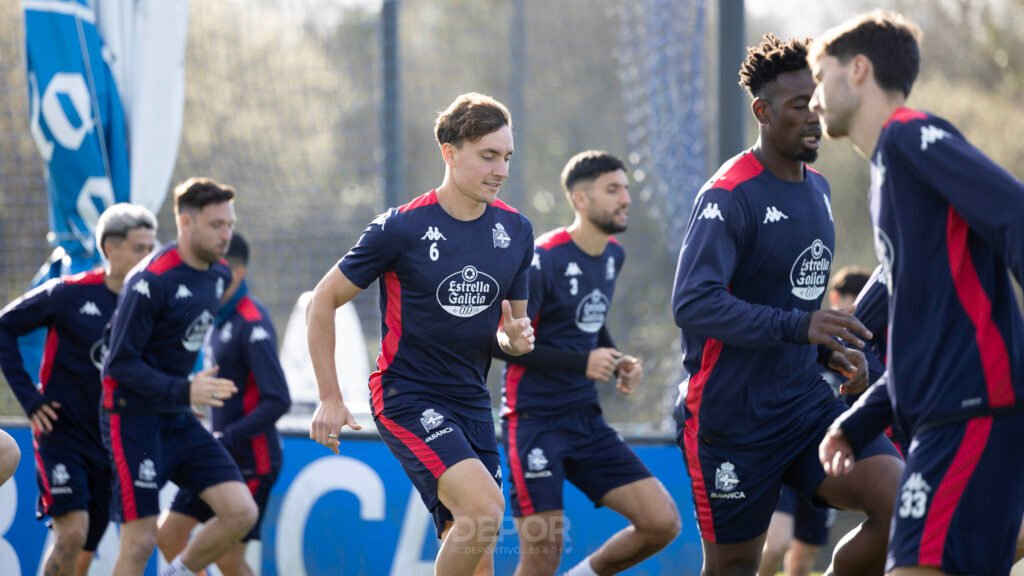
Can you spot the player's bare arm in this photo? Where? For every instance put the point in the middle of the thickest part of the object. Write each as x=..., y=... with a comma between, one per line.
x=515, y=336
x=333, y=292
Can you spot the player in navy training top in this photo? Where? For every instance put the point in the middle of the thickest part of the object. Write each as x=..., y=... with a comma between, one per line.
x=450, y=265
x=72, y=467
x=752, y=272
x=167, y=306
x=553, y=428
x=948, y=224
x=243, y=345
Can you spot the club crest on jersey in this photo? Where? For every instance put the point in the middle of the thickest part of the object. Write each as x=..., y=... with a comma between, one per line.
x=591, y=311
x=431, y=419
x=225, y=332
x=809, y=275
x=97, y=353
x=218, y=289
x=609, y=268
x=193, y=339
x=90, y=309
x=500, y=237
x=467, y=293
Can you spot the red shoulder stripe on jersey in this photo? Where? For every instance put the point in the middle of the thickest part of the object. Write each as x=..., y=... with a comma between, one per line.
x=613, y=239
x=556, y=237
x=420, y=201
x=49, y=355
x=515, y=462
x=47, y=495
x=499, y=204
x=247, y=308
x=124, y=475
x=810, y=168
x=950, y=489
x=904, y=115
x=389, y=343
x=166, y=261
x=737, y=171
x=86, y=278
x=694, y=396
x=995, y=358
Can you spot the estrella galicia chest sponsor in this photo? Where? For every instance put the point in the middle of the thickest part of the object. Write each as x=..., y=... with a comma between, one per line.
x=809, y=275
x=467, y=292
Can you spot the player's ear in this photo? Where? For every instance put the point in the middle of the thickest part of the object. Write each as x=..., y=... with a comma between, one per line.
x=448, y=154
x=860, y=69
x=759, y=107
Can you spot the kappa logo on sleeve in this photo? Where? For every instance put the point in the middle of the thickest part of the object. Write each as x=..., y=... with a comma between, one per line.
x=711, y=212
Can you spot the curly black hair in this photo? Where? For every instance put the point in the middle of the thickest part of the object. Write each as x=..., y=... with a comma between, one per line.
x=770, y=58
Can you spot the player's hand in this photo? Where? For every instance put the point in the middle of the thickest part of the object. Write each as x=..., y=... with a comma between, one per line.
x=331, y=415
x=44, y=417
x=827, y=325
x=630, y=372
x=601, y=363
x=852, y=364
x=518, y=330
x=208, y=390
x=835, y=453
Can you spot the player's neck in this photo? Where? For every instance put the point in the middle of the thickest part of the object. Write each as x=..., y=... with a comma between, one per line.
x=867, y=124
x=458, y=205
x=782, y=167
x=589, y=238
x=112, y=282
x=189, y=257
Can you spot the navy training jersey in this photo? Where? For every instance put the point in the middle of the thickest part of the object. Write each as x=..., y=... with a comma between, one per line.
x=753, y=267
x=244, y=347
x=162, y=316
x=948, y=222
x=75, y=310
x=872, y=309
x=442, y=281
x=570, y=297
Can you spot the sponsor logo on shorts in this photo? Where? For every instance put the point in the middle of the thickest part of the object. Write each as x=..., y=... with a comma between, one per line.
x=537, y=462
x=809, y=275
x=467, y=293
x=726, y=479
x=431, y=419
x=438, y=434
x=60, y=475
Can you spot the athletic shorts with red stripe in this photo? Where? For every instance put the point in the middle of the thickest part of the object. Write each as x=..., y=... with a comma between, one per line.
x=71, y=478
x=578, y=446
x=428, y=438
x=739, y=483
x=147, y=450
x=190, y=504
x=961, y=497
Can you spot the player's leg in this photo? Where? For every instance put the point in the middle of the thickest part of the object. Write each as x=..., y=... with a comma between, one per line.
x=235, y=513
x=83, y=563
x=173, y=532
x=138, y=538
x=776, y=543
x=811, y=525
x=800, y=558
x=10, y=456
x=654, y=524
x=477, y=505
x=541, y=541
x=70, y=531
x=232, y=562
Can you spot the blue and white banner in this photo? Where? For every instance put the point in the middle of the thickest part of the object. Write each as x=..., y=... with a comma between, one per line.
x=358, y=514
x=76, y=120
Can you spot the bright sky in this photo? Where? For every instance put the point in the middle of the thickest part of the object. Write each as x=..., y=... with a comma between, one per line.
x=798, y=17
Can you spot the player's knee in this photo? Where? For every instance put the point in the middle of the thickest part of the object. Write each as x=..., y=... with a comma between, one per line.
x=661, y=528
x=485, y=513
x=244, y=517
x=540, y=559
x=10, y=456
x=138, y=546
x=70, y=538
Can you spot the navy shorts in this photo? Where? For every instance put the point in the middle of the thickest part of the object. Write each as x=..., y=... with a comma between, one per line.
x=736, y=486
x=578, y=446
x=147, y=450
x=71, y=478
x=190, y=504
x=428, y=438
x=961, y=497
x=811, y=522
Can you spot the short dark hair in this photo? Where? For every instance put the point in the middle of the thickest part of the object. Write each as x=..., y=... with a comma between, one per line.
x=120, y=219
x=470, y=117
x=772, y=57
x=588, y=166
x=197, y=193
x=238, y=250
x=850, y=280
x=887, y=39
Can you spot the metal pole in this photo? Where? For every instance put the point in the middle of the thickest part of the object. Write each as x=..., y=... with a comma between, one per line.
x=515, y=188
x=731, y=103
x=391, y=111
